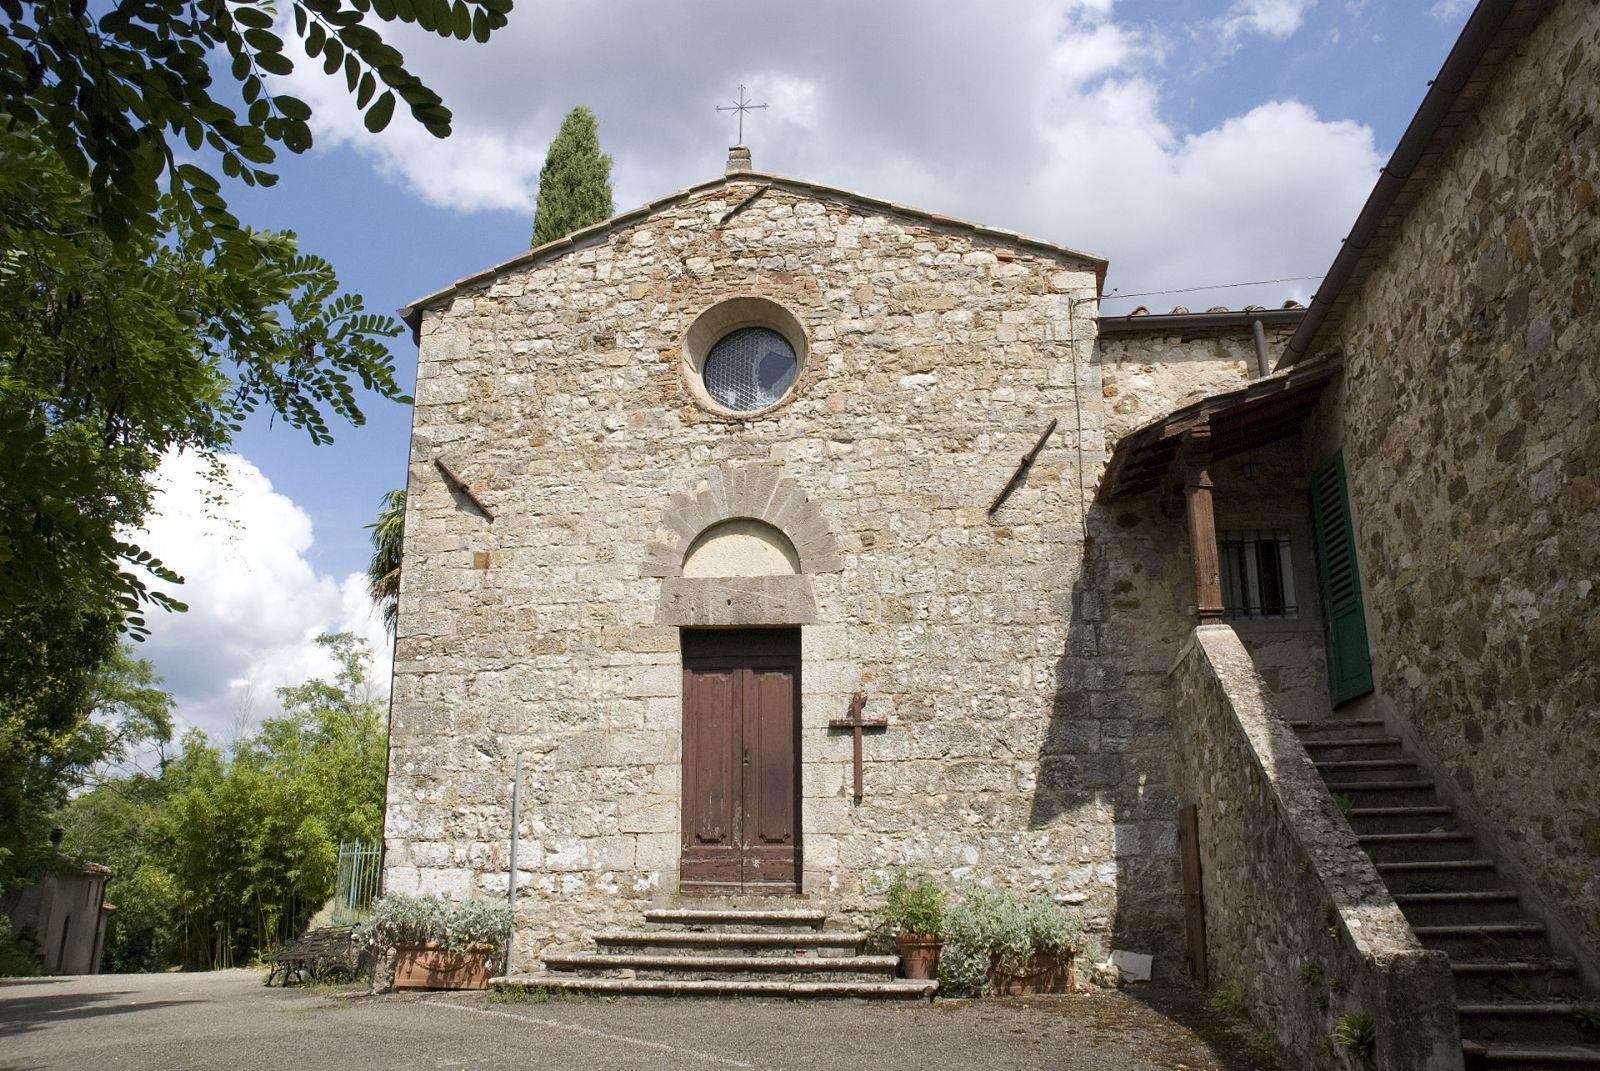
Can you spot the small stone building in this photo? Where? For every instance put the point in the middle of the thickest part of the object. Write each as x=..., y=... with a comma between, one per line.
x=785, y=536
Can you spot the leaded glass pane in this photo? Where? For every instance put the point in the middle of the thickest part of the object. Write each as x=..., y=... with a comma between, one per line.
x=750, y=369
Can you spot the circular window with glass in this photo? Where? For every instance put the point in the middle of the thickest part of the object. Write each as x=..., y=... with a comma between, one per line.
x=743, y=356
x=750, y=369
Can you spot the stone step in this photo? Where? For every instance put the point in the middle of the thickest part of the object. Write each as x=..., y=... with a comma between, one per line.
x=1544, y=1024
x=1367, y=771
x=1323, y=726
x=1352, y=742
x=1532, y=1057
x=735, y=916
x=781, y=943
x=1386, y=793
x=1424, y=819
x=1440, y=875
x=1532, y=980
x=1416, y=847
x=1459, y=908
x=1491, y=940
x=895, y=988
x=690, y=965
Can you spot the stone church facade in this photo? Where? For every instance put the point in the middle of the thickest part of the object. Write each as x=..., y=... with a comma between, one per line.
x=620, y=514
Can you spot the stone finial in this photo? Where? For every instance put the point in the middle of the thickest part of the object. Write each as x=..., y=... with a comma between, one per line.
x=738, y=159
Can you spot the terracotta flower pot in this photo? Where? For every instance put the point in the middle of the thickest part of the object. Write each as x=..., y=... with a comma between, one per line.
x=919, y=954
x=432, y=966
x=1045, y=972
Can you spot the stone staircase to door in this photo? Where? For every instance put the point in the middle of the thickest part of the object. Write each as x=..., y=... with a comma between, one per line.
x=780, y=953
x=1520, y=1003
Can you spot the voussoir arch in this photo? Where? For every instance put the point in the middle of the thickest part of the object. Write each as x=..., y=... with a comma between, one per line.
x=757, y=492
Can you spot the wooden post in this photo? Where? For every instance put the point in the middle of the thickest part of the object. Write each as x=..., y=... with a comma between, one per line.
x=1194, y=904
x=1196, y=463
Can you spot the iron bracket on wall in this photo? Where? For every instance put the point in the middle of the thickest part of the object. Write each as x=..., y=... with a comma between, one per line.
x=456, y=483
x=1022, y=467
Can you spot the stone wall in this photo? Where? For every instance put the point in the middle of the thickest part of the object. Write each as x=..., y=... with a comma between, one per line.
x=1145, y=376
x=1028, y=742
x=1296, y=916
x=1474, y=460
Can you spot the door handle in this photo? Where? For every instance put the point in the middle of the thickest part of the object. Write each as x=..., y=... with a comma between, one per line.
x=747, y=756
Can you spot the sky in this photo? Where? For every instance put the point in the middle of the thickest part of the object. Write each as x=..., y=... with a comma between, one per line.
x=1193, y=144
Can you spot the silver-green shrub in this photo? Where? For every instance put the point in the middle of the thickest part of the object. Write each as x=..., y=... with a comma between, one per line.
x=998, y=930
x=479, y=922
x=409, y=920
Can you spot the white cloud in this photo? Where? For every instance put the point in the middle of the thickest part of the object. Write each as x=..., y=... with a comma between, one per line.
x=255, y=602
x=1039, y=116
x=1276, y=19
x=1449, y=10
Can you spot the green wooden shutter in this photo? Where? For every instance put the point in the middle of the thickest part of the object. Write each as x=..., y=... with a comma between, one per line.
x=1344, y=619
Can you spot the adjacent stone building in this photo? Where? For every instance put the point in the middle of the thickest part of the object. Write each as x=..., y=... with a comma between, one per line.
x=694, y=486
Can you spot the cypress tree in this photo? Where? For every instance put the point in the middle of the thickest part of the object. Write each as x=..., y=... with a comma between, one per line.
x=575, y=183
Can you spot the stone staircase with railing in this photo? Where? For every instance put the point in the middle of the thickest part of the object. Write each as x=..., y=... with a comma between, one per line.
x=1520, y=1003
x=727, y=952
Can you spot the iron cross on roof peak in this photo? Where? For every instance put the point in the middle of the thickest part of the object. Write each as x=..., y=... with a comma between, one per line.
x=739, y=107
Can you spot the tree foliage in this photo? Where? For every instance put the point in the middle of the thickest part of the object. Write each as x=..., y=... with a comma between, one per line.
x=388, y=546
x=226, y=853
x=575, y=182
x=120, y=94
x=52, y=747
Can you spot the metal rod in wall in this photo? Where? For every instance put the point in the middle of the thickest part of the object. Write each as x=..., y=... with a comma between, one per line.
x=516, y=827
x=1263, y=362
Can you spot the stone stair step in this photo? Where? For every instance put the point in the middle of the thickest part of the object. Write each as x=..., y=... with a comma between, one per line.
x=1402, y=847
x=735, y=916
x=1353, y=742
x=1359, y=771
x=1528, y=1023
x=1460, y=908
x=1400, y=819
x=696, y=964
x=1322, y=725
x=1389, y=792
x=852, y=939
x=1474, y=896
x=1488, y=940
x=1533, y=979
x=1546, y=1057
x=1440, y=875
x=896, y=988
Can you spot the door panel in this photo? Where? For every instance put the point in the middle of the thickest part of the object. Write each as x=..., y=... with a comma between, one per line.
x=740, y=751
x=1344, y=618
x=712, y=778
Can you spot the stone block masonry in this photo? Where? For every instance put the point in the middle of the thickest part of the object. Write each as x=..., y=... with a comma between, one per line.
x=1473, y=455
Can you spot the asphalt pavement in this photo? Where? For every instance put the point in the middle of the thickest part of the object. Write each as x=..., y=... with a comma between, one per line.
x=227, y=1019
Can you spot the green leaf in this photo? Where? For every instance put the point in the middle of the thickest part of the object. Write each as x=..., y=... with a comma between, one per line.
x=252, y=17
x=293, y=107
x=275, y=63
x=480, y=26
x=462, y=16
x=379, y=114
x=364, y=91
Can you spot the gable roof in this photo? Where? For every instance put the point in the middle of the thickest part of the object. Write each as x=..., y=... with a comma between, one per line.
x=412, y=313
x=1488, y=40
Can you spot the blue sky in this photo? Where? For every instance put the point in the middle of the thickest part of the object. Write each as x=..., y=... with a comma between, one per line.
x=1190, y=143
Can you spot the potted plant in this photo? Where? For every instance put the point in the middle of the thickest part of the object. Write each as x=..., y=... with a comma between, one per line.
x=440, y=947
x=1002, y=943
x=914, y=911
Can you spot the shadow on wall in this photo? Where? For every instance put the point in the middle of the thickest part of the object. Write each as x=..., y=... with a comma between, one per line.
x=1105, y=762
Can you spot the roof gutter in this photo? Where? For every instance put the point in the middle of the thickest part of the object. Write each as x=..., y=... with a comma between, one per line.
x=1480, y=30
x=1148, y=323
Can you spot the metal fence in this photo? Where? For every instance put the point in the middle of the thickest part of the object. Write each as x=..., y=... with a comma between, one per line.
x=357, y=881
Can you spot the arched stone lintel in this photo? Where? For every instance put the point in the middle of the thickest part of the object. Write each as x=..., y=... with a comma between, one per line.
x=757, y=492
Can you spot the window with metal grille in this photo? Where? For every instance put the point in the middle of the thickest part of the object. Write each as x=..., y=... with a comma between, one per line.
x=1257, y=574
x=750, y=369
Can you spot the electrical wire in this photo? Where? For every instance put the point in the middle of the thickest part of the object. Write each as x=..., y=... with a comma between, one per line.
x=1219, y=286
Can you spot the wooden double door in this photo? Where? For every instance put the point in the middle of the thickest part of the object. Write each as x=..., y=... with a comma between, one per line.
x=741, y=761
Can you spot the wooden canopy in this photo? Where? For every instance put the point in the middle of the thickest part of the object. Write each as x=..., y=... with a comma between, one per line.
x=1266, y=410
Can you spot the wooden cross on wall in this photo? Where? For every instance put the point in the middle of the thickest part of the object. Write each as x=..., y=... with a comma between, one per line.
x=857, y=724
